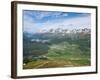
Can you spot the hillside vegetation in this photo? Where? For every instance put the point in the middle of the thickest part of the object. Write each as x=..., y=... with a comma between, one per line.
x=58, y=49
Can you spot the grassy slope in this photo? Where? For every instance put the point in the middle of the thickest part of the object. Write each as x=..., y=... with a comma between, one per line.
x=62, y=52
x=59, y=61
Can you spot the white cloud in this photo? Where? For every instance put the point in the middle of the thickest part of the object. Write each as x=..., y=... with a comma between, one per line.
x=70, y=23
x=42, y=14
x=79, y=22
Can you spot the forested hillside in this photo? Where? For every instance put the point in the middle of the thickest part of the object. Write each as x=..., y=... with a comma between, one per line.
x=57, y=48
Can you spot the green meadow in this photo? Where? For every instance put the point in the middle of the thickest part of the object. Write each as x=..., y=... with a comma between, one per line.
x=50, y=50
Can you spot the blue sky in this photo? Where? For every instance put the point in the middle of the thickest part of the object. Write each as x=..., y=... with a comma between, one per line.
x=34, y=21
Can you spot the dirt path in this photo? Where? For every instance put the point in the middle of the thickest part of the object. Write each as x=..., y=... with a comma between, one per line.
x=41, y=65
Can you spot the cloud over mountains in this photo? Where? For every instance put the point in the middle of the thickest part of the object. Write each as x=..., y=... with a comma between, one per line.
x=34, y=21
